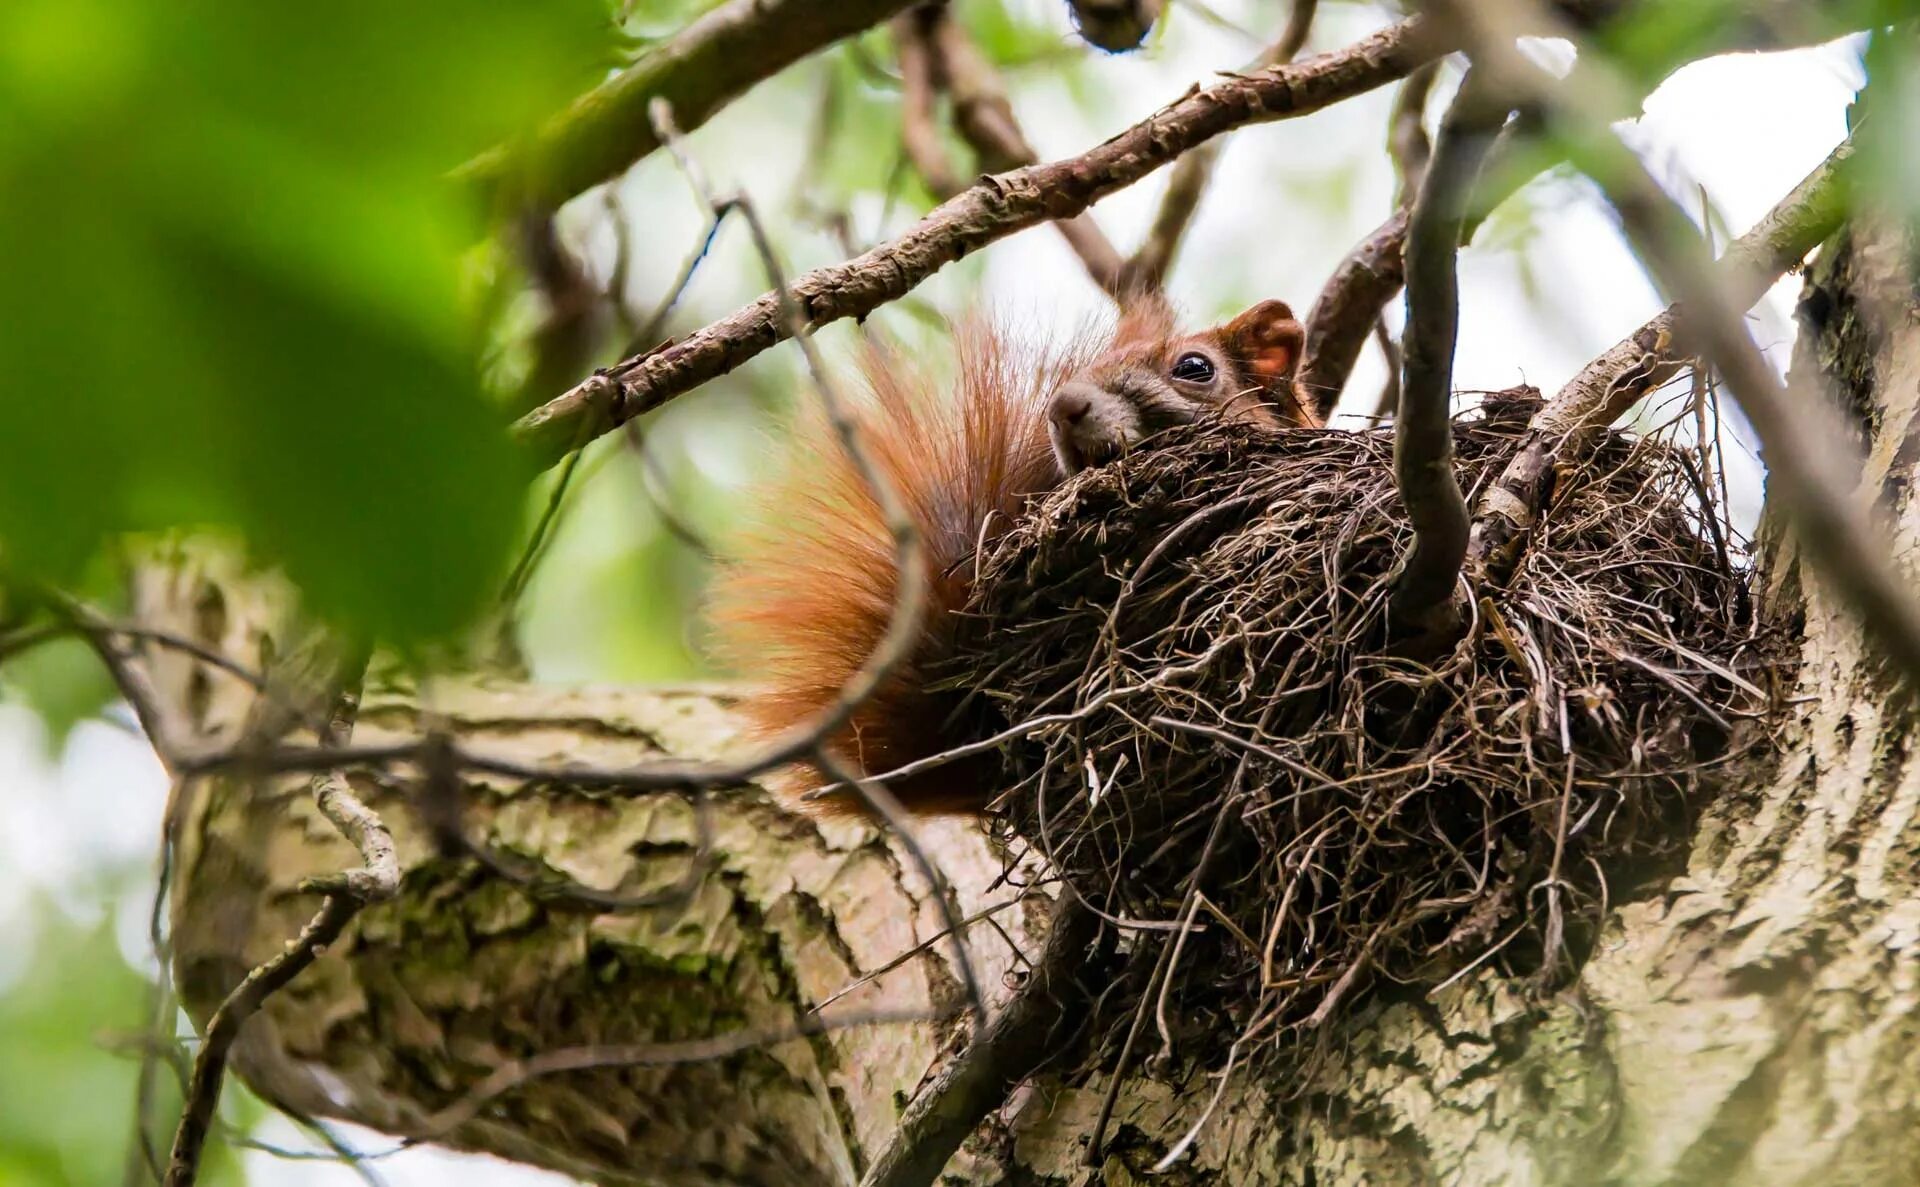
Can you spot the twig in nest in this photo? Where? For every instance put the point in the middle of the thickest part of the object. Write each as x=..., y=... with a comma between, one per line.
x=1006, y=1050
x=1424, y=591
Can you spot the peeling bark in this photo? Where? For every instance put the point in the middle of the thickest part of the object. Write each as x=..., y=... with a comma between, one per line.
x=1750, y=1020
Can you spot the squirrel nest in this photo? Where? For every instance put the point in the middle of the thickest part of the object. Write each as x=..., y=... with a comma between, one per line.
x=1206, y=624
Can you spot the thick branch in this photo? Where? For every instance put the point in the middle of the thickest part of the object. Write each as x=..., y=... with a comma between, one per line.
x=1423, y=431
x=698, y=71
x=990, y=210
x=1644, y=360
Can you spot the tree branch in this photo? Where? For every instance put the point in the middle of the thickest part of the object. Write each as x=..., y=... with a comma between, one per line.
x=698, y=71
x=1423, y=595
x=985, y=120
x=987, y=211
x=1603, y=390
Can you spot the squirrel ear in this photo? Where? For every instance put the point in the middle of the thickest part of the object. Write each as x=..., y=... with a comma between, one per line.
x=1267, y=339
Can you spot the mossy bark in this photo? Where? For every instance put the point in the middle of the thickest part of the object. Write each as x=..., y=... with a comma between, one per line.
x=1753, y=1019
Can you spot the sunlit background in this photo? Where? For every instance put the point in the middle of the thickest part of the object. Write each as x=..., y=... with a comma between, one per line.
x=1547, y=285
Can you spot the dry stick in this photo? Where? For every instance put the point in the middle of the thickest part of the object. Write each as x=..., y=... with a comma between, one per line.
x=1424, y=588
x=984, y=118
x=1390, y=353
x=1147, y=268
x=1809, y=462
x=1005, y=1051
x=209, y=1067
x=1605, y=388
x=697, y=71
x=1407, y=140
x=989, y=210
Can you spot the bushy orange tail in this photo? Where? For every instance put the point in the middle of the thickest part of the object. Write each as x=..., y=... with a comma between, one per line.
x=809, y=586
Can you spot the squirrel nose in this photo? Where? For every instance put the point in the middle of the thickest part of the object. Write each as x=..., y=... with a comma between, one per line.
x=1070, y=405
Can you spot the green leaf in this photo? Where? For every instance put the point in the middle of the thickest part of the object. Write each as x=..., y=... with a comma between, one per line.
x=231, y=291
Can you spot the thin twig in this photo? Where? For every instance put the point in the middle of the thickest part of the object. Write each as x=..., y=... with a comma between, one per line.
x=515, y=1073
x=882, y=804
x=209, y=1067
x=346, y=893
x=984, y=118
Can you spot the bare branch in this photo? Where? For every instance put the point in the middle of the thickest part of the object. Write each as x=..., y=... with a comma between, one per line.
x=209, y=1067
x=1424, y=589
x=1641, y=362
x=882, y=804
x=1407, y=141
x=697, y=71
x=987, y=211
x=919, y=91
x=377, y=880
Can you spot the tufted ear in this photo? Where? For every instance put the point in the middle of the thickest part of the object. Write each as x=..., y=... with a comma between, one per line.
x=1266, y=340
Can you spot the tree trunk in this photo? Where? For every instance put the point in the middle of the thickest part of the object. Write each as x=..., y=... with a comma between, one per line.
x=1751, y=1021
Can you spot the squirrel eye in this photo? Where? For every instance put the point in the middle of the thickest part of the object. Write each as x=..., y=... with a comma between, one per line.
x=1193, y=368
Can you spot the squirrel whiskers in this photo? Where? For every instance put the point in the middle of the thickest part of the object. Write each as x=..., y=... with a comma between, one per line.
x=809, y=590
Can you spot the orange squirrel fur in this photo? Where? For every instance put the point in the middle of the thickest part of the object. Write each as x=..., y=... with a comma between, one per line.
x=810, y=586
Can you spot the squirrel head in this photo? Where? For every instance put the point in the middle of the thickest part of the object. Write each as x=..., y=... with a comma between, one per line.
x=1152, y=377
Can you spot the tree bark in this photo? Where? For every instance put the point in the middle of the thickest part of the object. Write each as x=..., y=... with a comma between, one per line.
x=1751, y=1020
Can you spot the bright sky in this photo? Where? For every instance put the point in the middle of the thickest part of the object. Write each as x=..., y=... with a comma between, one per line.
x=1280, y=214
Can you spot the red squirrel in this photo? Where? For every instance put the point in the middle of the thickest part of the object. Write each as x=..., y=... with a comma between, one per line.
x=810, y=587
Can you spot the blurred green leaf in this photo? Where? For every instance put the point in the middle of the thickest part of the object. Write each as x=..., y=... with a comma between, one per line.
x=1887, y=118
x=62, y=681
x=231, y=288
x=66, y=1102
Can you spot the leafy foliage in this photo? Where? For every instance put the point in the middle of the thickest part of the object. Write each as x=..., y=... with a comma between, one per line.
x=232, y=285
